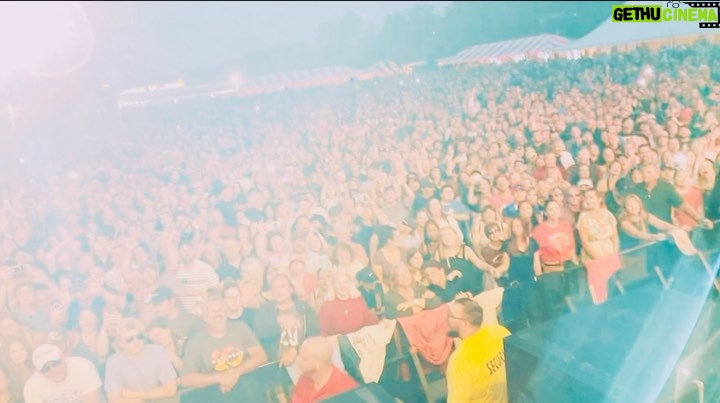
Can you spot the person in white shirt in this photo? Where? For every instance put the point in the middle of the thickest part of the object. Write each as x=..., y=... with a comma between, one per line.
x=61, y=379
x=139, y=370
x=195, y=278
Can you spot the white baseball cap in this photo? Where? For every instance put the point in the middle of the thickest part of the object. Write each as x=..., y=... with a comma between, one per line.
x=44, y=354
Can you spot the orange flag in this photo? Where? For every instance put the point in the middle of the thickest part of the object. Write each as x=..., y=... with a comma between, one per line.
x=599, y=272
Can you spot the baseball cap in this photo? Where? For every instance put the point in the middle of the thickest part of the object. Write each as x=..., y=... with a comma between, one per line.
x=44, y=354
x=161, y=294
x=366, y=275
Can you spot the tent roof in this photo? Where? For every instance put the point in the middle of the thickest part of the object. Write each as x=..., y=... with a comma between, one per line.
x=511, y=47
x=614, y=33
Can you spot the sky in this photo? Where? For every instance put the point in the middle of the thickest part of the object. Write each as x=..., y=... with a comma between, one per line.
x=267, y=24
x=188, y=33
x=128, y=44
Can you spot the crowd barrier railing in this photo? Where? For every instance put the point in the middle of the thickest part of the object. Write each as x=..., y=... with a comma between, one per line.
x=274, y=389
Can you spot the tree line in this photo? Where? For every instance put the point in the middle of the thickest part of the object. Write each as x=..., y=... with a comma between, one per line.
x=421, y=33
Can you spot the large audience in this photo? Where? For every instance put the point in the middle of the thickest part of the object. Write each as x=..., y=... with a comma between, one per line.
x=206, y=239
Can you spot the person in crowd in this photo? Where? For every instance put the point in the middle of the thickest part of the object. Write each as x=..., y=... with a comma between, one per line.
x=230, y=260
x=17, y=360
x=233, y=300
x=444, y=217
x=476, y=369
x=608, y=186
x=6, y=393
x=511, y=210
x=90, y=337
x=488, y=216
x=659, y=198
x=444, y=286
x=371, y=290
x=284, y=322
x=344, y=235
x=452, y=205
x=180, y=322
x=431, y=240
x=61, y=378
x=559, y=273
x=387, y=258
x=637, y=226
x=690, y=195
x=458, y=256
x=217, y=357
x=414, y=261
x=183, y=196
x=600, y=243
x=139, y=371
x=407, y=297
x=320, y=378
x=422, y=197
x=344, y=259
x=347, y=312
x=158, y=332
x=252, y=273
x=24, y=308
x=527, y=215
x=195, y=278
x=520, y=277
x=494, y=253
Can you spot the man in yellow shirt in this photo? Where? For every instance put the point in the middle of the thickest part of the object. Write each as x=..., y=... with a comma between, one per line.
x=476, y=370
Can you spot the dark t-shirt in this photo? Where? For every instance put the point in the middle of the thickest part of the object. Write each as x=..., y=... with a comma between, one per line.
x=185, y=324
x=521, y=263
x=452, y=288
x=373, y=298
x=205, y=354
x=660, y=200
x=273, y=337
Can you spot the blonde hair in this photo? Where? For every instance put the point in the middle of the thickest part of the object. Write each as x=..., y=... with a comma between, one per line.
x=642, y=213
x=338, y=273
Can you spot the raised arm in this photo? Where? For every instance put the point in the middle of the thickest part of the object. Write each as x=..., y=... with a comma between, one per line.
x=476, y=260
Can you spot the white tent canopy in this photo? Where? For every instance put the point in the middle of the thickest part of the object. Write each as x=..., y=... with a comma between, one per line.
x=617, y=33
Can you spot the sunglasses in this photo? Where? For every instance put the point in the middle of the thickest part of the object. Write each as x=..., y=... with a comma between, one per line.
x=138, y=337
x=50, y=366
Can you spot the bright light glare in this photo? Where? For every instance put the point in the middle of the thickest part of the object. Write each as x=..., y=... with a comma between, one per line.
x=43, y=38
x=237, y=79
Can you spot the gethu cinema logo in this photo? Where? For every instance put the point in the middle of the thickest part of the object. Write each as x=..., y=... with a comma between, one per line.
x=671, y=12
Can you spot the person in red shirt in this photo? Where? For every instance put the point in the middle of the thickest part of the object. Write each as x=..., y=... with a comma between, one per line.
x=346, y=313
x=556, y=248
x=555, y=238
x=319, y=378
x=503, y=194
